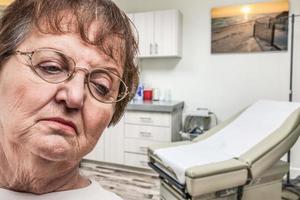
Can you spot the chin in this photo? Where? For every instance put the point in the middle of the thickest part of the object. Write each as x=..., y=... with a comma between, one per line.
x=54, y=148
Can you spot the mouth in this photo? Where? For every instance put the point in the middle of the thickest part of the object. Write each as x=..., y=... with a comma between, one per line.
x=67, y=126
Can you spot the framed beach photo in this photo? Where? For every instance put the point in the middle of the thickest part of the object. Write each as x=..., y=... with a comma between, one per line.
x=4, y=4
x=255, y=27
x=2, y=7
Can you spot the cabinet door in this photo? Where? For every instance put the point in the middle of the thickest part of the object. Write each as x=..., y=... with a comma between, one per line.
x=166, y=33
x=97, y=153
x=114, y=143
x=136, y=160
x=131, y=17
x=144, y=23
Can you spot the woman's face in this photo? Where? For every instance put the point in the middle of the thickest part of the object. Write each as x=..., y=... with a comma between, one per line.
x=58, y=122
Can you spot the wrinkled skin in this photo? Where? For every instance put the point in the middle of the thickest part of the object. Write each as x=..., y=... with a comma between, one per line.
x=41, y=156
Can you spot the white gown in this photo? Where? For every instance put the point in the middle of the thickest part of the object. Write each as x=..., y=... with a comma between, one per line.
x=92, y=192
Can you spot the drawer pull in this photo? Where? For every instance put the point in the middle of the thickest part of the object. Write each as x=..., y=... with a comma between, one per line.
x=146, y=119
x=144, y=163
x=145, y=134
x=143, y=149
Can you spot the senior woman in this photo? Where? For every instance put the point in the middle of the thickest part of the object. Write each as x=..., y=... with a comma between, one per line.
x=67, y=71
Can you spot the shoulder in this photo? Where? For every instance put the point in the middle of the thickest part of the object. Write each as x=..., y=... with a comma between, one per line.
x=98, y=190
x=92, y=192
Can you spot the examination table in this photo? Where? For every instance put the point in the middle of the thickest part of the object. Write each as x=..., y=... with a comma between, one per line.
x=238, y=159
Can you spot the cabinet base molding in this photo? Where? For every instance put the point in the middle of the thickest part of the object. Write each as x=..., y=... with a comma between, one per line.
x=86, y=162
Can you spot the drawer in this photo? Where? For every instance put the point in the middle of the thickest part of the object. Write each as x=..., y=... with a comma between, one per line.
x=136, y=160
x=139, y=146
x=156, y=133
x=148, y=118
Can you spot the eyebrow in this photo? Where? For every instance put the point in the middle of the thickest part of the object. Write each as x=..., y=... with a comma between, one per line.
x=112, y=69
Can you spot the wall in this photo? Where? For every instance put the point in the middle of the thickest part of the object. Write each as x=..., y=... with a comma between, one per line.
x=296, y=84
x=223, y=83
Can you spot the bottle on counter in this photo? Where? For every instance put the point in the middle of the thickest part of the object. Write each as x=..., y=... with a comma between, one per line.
x=165, y=95
x=156, y=94
x=139, y=96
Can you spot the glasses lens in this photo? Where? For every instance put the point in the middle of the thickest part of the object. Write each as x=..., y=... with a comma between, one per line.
x=106, y=86
x=52, y=66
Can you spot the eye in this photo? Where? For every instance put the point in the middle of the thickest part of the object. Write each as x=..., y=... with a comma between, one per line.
x=101, y=83
x=100, y=88
x=50, y=67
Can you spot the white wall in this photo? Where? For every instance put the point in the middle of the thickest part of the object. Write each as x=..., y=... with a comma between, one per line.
x=296, y=84
x=223, y=83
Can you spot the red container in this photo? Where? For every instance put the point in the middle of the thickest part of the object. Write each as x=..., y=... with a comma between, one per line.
x=148, y=93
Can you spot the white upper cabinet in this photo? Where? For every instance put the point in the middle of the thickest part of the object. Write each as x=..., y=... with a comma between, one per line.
x=145, y=25
x=159, y=33
x=167, y=33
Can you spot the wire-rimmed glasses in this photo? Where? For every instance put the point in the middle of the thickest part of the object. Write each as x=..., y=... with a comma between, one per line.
x=53, y=66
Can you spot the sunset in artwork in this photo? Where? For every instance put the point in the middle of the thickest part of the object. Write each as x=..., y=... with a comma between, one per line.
x=250, y=27
x=258, y=8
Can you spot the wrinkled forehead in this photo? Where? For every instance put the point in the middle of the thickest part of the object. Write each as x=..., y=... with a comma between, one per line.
x=96, y=32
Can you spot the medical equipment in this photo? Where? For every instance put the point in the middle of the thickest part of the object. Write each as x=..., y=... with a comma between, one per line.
x=238, y=159
x=197, y=122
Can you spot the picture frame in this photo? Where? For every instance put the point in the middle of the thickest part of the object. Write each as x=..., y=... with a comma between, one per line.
x=249, y=28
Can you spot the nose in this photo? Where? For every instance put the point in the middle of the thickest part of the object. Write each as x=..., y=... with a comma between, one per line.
x=72, y=91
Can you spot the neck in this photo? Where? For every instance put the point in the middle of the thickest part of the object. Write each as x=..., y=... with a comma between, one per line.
x=22, y=171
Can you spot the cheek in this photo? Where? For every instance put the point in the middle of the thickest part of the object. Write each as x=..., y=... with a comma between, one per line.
x=20, y=101
x=96, y=120
x=21, y=91
x=25, y=99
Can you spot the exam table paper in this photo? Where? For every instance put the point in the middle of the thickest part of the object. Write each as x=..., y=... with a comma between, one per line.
x=252, y=126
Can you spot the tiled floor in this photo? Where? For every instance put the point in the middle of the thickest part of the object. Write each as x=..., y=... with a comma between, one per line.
x=133, y=184
x=128, y=184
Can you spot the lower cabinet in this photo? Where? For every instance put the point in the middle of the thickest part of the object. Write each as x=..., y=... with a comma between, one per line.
x=143, y=129
x=114, y=143
x=98, y=152
x=127, y=142
x=136, y=160
x=110, y=147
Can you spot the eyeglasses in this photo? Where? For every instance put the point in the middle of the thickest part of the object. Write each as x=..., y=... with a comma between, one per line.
x=54, y=66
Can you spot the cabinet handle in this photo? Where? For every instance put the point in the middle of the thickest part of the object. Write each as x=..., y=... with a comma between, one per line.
x=151, y=48
x=143, y=149
x=145, y=134
x=156, y=48
x=146, y=119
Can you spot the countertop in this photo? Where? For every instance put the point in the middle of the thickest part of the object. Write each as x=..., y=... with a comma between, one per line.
x=155, y=106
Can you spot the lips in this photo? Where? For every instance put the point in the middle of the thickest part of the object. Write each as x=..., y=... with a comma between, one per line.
x=63, y=124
